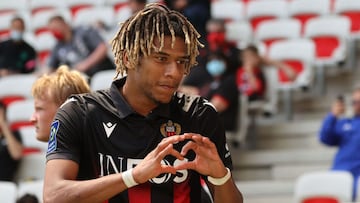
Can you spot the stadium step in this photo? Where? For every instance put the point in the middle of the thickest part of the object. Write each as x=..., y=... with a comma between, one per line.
x=268, y=158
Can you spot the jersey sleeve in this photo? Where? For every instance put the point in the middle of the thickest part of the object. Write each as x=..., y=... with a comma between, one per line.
x=66, y=132
x=211, y=126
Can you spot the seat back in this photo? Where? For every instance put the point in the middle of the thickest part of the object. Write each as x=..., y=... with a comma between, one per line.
x=228, y=10
x=324, y=184
x=8, y=191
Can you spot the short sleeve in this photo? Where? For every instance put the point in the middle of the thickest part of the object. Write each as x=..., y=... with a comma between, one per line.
x=211, y=126
x=66, y=132
x=92, y=38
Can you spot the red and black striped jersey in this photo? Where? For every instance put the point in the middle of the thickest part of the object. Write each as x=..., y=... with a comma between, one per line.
x=104, y=135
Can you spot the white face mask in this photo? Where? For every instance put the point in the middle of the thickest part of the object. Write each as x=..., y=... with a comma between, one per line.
x=16, y=35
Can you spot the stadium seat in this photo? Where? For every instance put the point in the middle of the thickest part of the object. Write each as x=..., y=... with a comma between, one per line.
x=116, y=4
x=36, y=6
x=16, y=87
x=34, y=187
x=8, y=191
x=28, y=137
x=260, y=11
x=324, y=187
x=303, y=10
x=330, y=35
x=239, y=32
x=91, y=15
x=102, y=79
x=13, y=6
x=274, y=30
x=31, y=167
x=228, y=10
x=298, y=54
x=77, y=5
x=122, y=14
x=44, y=43
x=5, y=20
x=40, y=20
x=18, y=114
x=351, y=10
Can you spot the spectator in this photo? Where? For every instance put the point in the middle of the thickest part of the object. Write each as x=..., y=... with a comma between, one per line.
x=81, y=48
x=216, y=43
x=49, y=92
x=196, y=11
x=16, y=55
x=250, y=79
x=345, y=134
x=219, y=88
x=28, y=198
x=10, y=148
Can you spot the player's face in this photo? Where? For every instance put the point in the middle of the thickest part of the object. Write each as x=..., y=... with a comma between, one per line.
x=159, y=75
x=45, y=110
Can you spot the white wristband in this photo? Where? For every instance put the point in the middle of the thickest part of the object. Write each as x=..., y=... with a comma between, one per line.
x=220, y=181
x=129, y=179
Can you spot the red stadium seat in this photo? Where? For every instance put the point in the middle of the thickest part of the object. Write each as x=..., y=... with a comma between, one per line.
x=304, y=10
x=321, y=200
x=324, y=187
x=351, y=10
x=260, y=11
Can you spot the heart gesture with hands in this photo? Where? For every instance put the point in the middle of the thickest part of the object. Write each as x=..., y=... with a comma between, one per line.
x=206, y=162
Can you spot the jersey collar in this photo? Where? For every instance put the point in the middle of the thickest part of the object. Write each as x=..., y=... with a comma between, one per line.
x=124, y=108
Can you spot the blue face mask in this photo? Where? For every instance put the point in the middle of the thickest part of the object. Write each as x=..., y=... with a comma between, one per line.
x=16, y=35
x=216, y=67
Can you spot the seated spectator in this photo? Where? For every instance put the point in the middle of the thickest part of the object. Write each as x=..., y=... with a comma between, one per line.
x=49, y=92
x=344, y=133
x=16, y=55
x=250, y=79
x=27, y=198
x=11, y=148
x=216, y=42
x=219, y=88
x=196, y=11
x=81, y=48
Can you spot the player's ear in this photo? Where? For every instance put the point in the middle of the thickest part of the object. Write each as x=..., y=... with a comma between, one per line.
x=126, y=60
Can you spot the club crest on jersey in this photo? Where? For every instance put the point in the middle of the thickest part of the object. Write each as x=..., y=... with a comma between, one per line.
x=170, y=128
x=52, y=139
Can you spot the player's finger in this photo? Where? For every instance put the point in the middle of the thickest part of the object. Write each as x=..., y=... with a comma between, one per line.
x=187, y=147
x=168, y=169
x=169, y=150
x=169, y=140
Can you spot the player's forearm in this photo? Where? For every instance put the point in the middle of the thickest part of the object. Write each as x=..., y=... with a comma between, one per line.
x=97, y=55
x=227, y=193
x=95, y=190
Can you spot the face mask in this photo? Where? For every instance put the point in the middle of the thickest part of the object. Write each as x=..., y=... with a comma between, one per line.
x=58, y=35
x=16, y=35
x=215, y=67
x=216, y=39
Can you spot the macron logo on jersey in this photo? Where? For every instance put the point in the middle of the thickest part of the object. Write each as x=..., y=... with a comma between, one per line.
x=109, y=128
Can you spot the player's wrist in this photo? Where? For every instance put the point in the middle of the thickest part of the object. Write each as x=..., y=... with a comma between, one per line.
x=222, y=180
x=128, y=178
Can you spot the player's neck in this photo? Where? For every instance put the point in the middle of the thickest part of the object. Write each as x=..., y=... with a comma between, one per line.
x=139, y=102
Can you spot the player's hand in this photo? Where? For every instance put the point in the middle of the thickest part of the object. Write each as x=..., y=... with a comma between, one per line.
x=151, y=166
x=207, y=161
